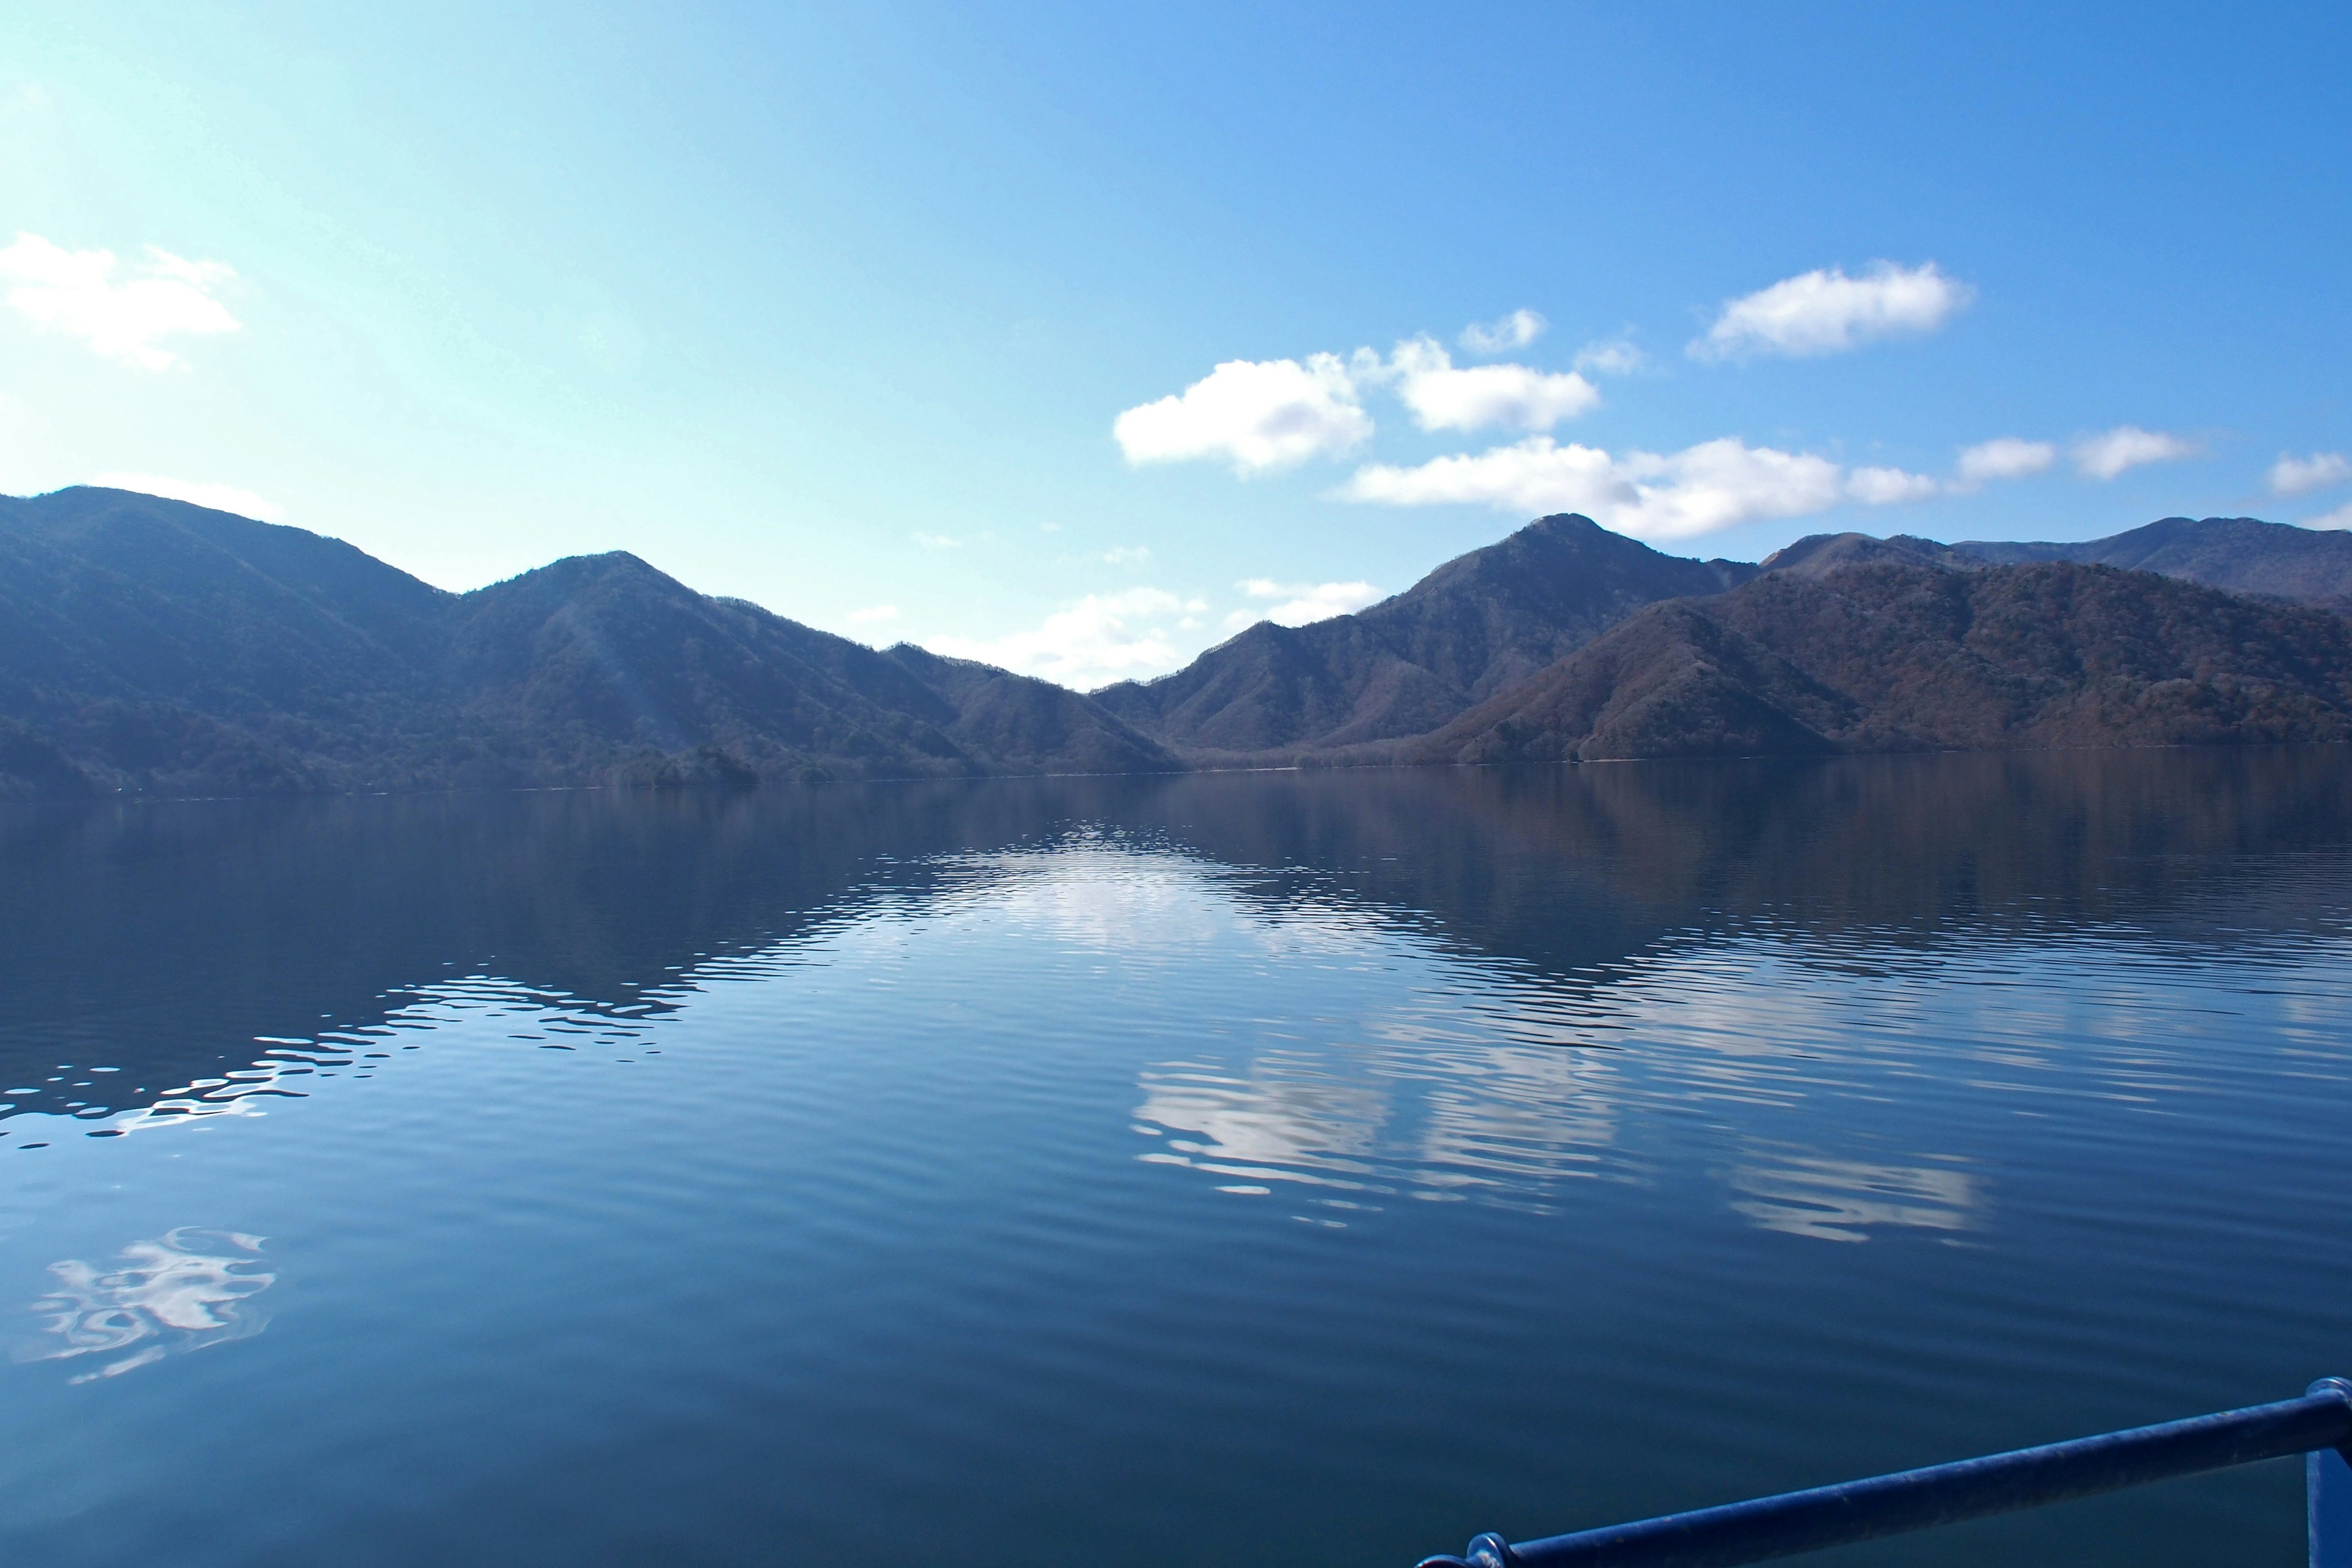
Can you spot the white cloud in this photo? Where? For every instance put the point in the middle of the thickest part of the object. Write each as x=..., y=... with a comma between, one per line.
x=1259, y=415
x=2125, y=447
x=2292, y=476
x=1516, y=330
x=1100, y=638
x=1886, y=487
x=199, y=492
x=1128, y=555
x=2003, y=457
x=1615, y=356
x=1713, y=485
x=2340, y=518
x=75, y=292
x=1443, y=398
x=1302, y=602
x=1826, y=311
x=937, y=541
x=873, y=613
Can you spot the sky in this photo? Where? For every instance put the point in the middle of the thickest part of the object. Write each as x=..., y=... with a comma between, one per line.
x=1076, y=337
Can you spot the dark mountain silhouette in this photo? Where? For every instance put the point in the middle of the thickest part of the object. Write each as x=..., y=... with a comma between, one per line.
x=154, y=647
x=1476, y=626
x=1889, y=657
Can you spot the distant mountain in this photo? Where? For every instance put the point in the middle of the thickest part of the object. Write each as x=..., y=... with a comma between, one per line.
x=2243, y=555
x=1886, y=656
x=1819, y=555
x=154, y=647
x=1476, y=626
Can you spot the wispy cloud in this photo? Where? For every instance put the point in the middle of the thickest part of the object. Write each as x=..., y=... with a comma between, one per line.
x=198, y=492
x=1889, y=486
x=1826, y=311
x=1612, y=356
x=1301, y=603
x=1477, y=397
x=1258, y=415
x=2293, y=475
x=873, y=614
x=2002, y=458
x=78, y=292
x=2105, y=456
x=1715, y=485
x=1091, y=642
x=1516, y=330
x=2340, y=518
x=1128, y=555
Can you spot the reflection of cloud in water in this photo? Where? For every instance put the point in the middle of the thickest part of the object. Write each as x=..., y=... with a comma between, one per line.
x=1496, y=1111
x=1533, y=1124
x=1839, y=1200
x=1094, y=895
x=1285, y=1121
x=182, y=1291
x=1496, y=1117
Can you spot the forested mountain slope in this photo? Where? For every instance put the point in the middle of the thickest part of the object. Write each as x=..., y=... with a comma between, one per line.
x=1890, y=656
x=1475, y=625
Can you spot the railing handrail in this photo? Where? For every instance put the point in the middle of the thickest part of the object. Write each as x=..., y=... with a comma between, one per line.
x=1769, y=1527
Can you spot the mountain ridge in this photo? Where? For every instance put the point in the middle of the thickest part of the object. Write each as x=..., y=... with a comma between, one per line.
x=1469, y=628
x=1889, y=656
x=152, y=646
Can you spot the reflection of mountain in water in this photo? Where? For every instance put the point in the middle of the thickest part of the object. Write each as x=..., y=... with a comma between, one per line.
x=179, y=942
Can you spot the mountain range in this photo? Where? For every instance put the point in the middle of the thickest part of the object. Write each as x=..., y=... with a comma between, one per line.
x=151, y=646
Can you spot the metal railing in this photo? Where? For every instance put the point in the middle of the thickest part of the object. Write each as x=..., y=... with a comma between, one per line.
x=2318, y=1425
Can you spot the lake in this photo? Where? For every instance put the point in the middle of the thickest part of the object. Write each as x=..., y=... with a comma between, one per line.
x=1309, y=1168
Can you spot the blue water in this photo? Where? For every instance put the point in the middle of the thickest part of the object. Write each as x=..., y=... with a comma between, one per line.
x=1299, y=1169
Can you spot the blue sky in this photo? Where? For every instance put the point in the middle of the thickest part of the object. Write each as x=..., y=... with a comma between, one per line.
x=839, y=309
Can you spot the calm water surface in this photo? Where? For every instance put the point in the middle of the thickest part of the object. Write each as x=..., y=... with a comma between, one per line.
x=1297, y=1169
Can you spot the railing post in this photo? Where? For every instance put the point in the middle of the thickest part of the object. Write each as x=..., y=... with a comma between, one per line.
x=2327, y=1495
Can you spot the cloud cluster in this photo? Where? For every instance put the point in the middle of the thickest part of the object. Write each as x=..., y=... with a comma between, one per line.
x=1261, y=416
x=2105, y=456
x=2293, y=475
x=1825, y=311
x=1713, y=485
x=1301, y=603
x=1478, y=397
x=197, y=492
x=77, y=292
x=1258, y=415
x=1099, y=638
x=1275, y=414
